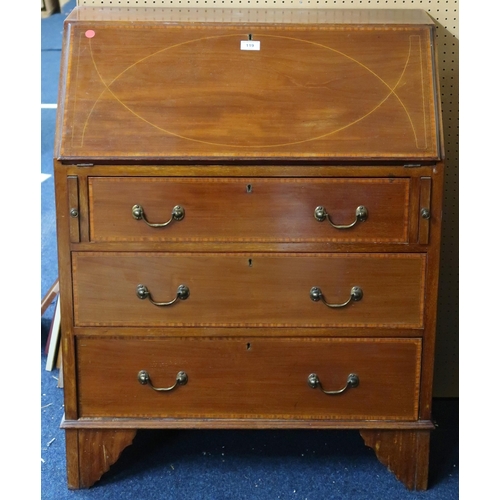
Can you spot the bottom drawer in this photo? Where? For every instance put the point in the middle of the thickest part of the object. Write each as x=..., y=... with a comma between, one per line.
x=252, y=378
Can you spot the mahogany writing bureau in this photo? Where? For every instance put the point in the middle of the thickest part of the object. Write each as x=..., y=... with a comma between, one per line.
x=248, y=211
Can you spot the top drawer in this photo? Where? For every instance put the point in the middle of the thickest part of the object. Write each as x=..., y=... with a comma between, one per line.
x=248, y=210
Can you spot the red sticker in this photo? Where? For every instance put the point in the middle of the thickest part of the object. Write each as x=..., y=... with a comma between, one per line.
x=90, y=33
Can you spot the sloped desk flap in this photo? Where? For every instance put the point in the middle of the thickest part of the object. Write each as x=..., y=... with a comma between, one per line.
x=171, y=86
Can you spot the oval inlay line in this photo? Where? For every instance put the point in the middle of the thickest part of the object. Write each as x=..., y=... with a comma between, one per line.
x=391, y=91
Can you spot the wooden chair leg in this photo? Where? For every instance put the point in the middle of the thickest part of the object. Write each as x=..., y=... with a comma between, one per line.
x=50, y=295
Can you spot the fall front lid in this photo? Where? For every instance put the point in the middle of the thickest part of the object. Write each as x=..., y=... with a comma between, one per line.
x=163, y=87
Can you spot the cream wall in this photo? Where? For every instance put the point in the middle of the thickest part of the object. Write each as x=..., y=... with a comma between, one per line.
x=445, y=13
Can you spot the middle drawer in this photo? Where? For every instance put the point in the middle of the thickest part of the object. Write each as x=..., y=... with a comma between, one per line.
x=275, y=290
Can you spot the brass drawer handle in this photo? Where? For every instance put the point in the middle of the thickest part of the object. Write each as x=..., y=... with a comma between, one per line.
x=143, y=378
x=143, y=293
x=320, y=215
x=314, y=382
x=316, y=294
x=178, y=213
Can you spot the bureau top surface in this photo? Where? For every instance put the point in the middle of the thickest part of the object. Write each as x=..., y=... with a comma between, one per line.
x=251, y=15
x=216, y=84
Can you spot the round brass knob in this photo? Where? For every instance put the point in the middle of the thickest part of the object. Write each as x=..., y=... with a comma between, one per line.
x=425, y=213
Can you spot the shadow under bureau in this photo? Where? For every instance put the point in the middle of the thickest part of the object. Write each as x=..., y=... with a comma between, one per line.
x=248, y=212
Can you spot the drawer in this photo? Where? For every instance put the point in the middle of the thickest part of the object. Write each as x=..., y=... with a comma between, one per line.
x=239, y=210
x=259, y=378
x=286, y=290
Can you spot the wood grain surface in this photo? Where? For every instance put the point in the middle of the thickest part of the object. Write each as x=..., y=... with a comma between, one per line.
x=248, y=209
x=188, y=90
x=248, y=290
x=255, y=378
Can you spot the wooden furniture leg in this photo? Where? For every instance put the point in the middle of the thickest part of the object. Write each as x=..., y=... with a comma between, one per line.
x=405, y=453
x=90, y=453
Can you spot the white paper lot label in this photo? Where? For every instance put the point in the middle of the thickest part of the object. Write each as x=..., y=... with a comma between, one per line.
x=249, y=45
